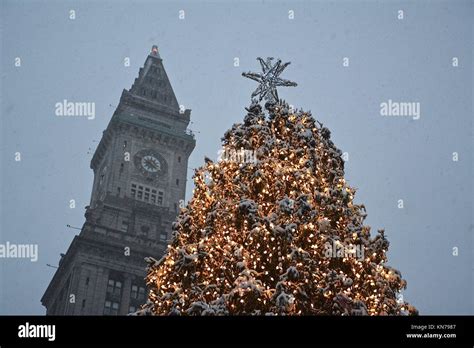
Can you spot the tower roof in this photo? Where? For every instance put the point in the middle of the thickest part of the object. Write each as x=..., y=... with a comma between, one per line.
x=153, y=84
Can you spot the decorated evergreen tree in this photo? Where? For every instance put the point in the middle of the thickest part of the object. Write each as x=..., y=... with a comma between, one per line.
x=272, y=227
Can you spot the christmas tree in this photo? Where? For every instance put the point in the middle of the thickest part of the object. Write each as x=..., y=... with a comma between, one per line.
x=272, y=227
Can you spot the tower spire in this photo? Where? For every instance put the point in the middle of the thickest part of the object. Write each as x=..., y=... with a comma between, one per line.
x=154, y=51
x=153, y=85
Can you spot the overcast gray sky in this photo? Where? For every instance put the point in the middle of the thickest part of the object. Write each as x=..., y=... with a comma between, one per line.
x=390, y=158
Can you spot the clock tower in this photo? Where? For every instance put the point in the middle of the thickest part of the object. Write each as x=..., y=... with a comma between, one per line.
x=140, y=170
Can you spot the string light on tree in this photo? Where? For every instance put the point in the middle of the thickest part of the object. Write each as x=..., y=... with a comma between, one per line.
x=254, y=237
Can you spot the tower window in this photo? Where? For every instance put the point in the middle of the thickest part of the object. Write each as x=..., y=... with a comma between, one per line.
x=114, y=287
x=134, y=292
x=141, y=293
x=146, y=194
x=163, y=236
x=111, y=308
x=124, y=226
x=124, y=144
x=87, y=281
x=179, y=159
x=138, y=292
x=177, y=182
x=83, y=303
x=118, y=191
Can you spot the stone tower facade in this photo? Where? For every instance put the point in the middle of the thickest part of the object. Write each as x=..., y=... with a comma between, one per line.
x=140, y=168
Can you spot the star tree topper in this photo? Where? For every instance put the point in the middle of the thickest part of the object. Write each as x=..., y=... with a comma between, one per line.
x=269, y=79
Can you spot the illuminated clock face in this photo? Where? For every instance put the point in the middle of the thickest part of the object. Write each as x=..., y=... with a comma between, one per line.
x=151, y=164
